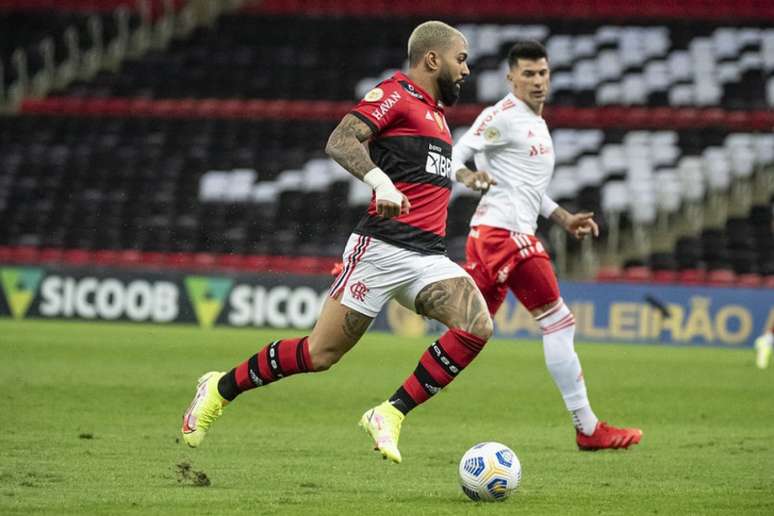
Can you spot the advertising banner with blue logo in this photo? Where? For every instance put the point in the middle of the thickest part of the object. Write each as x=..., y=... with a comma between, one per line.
x=161, y=297
x=622, y=313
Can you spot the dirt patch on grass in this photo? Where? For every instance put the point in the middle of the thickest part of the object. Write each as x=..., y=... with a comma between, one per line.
x=187, y=475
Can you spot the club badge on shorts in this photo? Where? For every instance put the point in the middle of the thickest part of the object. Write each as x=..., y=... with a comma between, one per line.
x=358, y=290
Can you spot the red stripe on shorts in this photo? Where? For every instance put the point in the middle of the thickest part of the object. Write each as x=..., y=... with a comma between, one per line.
x=355, y=261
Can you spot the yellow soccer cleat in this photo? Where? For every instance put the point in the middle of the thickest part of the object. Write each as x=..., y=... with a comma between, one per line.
x=383, y=425
x=763, y=351
x=206, y=407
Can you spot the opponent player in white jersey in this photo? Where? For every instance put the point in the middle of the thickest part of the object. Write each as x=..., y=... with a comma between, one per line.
x=514, y=157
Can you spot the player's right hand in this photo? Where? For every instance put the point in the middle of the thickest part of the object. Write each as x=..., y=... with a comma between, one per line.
x=391, y=203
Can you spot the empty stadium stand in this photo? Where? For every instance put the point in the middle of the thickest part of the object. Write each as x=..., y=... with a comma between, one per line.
x=594, y=64
x=207, y=150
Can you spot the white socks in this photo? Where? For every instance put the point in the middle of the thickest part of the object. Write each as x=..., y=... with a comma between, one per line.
x=585, y=420
x=558, y=325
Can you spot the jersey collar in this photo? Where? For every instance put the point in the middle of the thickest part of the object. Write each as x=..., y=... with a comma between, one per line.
x=522, y=106
x=423, y=95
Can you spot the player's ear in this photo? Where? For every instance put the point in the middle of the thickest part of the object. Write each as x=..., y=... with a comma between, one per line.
x=432, y=60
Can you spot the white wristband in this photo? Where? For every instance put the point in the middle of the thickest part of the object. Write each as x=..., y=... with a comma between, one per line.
x=383, y=187
x=376, y=178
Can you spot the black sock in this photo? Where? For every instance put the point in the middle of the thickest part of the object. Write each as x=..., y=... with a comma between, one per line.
x=227, y=386
x=402, y=401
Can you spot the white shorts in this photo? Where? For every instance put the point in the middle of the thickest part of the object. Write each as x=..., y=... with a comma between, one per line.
x=375, y=272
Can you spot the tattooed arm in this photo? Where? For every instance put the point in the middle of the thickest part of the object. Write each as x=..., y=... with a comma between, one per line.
x=345, y=146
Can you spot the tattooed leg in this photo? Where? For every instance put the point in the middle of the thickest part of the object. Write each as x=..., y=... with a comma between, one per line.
x=337, y=330
x=457, y=303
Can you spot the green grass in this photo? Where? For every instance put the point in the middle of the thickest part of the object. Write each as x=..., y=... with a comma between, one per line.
x=90, y=413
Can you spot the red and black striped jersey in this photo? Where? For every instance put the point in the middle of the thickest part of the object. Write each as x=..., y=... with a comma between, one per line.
x=412, y=144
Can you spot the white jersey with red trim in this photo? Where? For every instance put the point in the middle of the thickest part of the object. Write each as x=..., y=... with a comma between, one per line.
x=512, y=144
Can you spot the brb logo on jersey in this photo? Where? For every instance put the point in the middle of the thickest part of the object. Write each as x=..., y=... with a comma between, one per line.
x=437, y=163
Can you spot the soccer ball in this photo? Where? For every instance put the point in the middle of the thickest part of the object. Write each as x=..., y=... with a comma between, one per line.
x=489, y=472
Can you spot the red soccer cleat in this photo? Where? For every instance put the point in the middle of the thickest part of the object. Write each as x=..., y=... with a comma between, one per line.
x=608, y=437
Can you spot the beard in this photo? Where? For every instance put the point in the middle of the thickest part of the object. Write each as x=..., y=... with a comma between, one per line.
x=449, y=90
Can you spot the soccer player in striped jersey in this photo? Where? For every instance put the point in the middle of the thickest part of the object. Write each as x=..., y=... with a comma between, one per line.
x=397, y=250
x=514, y=158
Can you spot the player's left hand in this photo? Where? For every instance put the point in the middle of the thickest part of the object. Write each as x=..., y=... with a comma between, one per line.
x=479, y=181
x=582, y=224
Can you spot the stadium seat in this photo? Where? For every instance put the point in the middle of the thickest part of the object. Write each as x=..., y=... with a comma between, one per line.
x=637, y=274
x=186, y=156
x=721, y=277
x=609, y=274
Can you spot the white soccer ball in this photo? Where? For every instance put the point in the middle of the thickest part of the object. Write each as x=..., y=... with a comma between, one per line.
x=489, y=472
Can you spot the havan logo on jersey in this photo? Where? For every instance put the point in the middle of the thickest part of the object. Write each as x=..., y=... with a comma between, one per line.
x=385, y=106
x=437, y=163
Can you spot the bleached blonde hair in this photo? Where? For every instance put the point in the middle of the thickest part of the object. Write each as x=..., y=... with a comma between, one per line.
x=430, y=35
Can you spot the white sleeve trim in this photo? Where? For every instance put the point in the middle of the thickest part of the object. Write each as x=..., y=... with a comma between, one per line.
x=461, y=153
x=547, y=206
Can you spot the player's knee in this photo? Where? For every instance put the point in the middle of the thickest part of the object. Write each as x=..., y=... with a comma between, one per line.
x=482, y=326
x=545, y=307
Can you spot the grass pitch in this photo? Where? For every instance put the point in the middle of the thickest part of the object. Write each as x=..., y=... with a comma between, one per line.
x=90, y=415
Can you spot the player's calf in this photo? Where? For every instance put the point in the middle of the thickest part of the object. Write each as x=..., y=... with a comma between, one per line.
x=439, y=366
x=277, y=360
